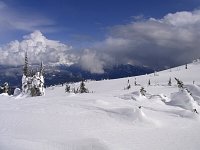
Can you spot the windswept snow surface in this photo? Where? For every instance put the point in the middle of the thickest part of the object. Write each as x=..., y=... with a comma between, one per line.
x=108, y=118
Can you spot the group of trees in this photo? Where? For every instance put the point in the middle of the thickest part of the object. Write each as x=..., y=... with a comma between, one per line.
x=4, y=88
x=81, y=89
x=32, y=83
x=128, y=86
x=143, y=91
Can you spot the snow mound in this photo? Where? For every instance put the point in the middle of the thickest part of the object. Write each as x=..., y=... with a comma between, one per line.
x=4, y=94
x=133, y=115
x=22, y=95
x=188, y=114
x=182, y=99
x=160, y=98
x=195, y=90
x=17, y=91
x=89, y=144
x=33, y=144
x=133, y=96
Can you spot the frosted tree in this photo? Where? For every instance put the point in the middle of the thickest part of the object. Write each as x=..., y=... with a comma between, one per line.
x=135, y=82
x=31, y=72
x=74, y=90
x=170, y=82
x=25, y=69
x=195, y=110
x=32, y=83
x=25, y=79
x=37, y=88
x=179, y=83
x=143, y=91
x=4, y=88
x=186, y=66
x=82, y=88
x=41, y=68
x=128, y=85
x=149, y=82
x=67, y=88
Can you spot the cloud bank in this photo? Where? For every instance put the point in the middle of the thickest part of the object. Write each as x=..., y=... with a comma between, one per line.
x=157, y=43
x=39, y=49
x=90, y=61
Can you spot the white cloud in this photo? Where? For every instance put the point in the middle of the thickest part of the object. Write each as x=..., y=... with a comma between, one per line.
x=39, y=49
x=90, y=61
x=183, y=18
x=11, y=19
x=171, y=40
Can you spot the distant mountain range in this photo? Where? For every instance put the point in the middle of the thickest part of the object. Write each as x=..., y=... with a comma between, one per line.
x=62, y=73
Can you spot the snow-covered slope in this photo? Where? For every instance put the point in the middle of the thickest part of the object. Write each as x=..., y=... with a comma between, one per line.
x=108, y=118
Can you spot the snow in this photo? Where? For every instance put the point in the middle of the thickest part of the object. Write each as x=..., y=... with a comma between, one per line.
x=17, y=92
x=108, y=118
x=182, y=99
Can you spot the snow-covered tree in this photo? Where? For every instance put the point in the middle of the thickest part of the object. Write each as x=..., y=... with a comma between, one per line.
x=67, y=88
x=82, y=88
x=74, y=90
x=25, y=69
x=41, y=68
x=170, y=82
x=143, y=91
x=37, y=88
x=179, y=83
x=32, y=83
x=149, y=82
x=128, y=86
x=4, y=88
x=135, y=82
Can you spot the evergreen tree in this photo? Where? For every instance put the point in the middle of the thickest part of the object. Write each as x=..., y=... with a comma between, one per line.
x=179, y=83
x=5, y=88
x=135, y=82
x=82, y=88
x=128, y=85
x=25, y=69
x=143, y=91
x=170, y=82
x=149, y=82
x=41, y=68
x=31, y=73
x=74, y=90
x=186, y=66
x=67, y=88
x=32, y=83
x=195, y=110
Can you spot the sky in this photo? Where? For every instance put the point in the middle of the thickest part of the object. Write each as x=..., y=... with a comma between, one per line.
x=95, y=34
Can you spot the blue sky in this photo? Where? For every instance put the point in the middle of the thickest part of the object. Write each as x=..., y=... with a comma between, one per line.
x=95, y=33
x=83, y=21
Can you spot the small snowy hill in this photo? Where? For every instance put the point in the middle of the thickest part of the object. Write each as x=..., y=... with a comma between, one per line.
x=109, y=117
